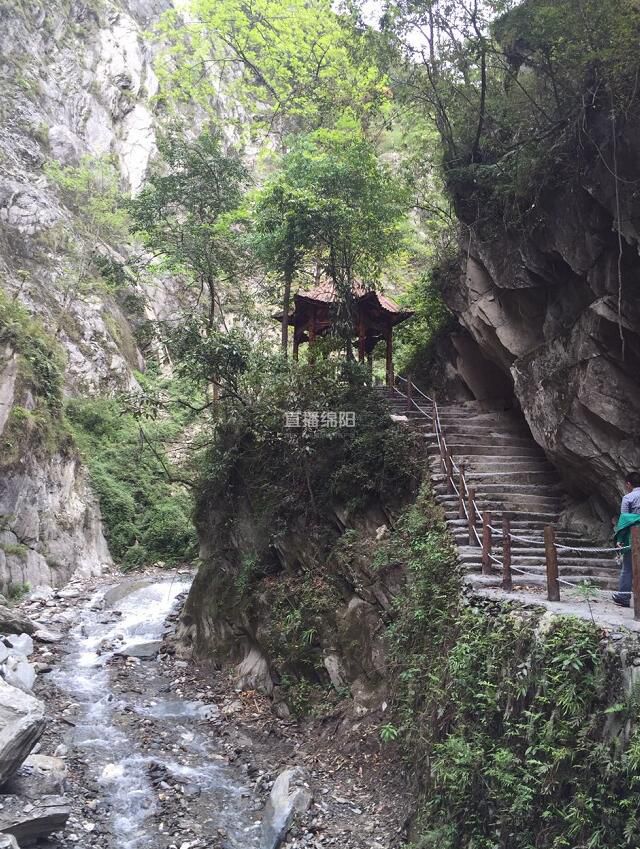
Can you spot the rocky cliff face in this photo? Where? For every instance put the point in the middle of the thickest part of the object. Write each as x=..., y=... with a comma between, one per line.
x=76, y=80
x=554, y=303
x=315, y=616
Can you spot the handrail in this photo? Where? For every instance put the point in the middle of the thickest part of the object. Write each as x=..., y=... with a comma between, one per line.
x=451, y=469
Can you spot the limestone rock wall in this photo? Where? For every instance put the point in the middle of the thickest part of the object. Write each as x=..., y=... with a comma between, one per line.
x=555, y=305
x=76, y=79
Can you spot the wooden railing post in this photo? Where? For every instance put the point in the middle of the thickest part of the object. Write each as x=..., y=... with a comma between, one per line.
x=409, y=392
x=551, y=555
x=448, y=469
x=471, y=515
x=462, y=484
x=635, y=569
x=507, y=578
x=486, y=543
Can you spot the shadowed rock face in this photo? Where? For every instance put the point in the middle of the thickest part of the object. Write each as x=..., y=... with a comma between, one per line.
x=544, y=303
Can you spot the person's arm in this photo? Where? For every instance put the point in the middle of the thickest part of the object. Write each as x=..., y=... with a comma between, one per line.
x=625, y=506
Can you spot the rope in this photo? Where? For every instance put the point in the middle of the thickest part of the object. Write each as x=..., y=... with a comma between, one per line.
x=418, y=408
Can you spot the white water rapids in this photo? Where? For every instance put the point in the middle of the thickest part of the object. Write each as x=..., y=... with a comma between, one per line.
x=111, y=746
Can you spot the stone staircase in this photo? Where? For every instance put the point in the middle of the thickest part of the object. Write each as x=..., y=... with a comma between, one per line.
x=511, y=475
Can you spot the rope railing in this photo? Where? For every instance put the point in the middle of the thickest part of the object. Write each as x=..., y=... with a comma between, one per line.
x=470, y=510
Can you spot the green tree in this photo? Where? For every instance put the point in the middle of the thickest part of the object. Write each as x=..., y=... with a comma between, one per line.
x=291, y=67
x=356, y=212
x=505, y=85
x=184, y=214
x=282, y=218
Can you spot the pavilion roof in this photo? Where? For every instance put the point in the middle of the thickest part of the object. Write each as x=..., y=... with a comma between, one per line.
x=325, y=293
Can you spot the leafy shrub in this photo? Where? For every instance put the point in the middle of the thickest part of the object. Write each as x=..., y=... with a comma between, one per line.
x=293, y=472
x=519, y=734
x=41, y=375
x=147, y=518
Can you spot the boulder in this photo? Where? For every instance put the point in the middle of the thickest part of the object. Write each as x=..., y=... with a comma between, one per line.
x=13, y=622
x=8, y=841
x=289, y=796
x=20, y=644
x=18, y=672
x=143, y=651
x=39, y=775
x=44, y=635
x=29, y=822
x=41, y=593
x=21, y=726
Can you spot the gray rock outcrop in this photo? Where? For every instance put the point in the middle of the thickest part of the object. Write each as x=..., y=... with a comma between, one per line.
x=14, y=622
x=554, y=304
x=21, y=726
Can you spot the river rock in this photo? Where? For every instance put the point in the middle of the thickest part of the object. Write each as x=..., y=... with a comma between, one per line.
x=290, y=795
x=143, y=651
x=44, y=635
x=20, y=643
x=13, y=622
x=39, y=775
x=21, y=726
x=41, y=593
x=34, y=820
x=18, y=672
x=71, y=592
x=8, y=841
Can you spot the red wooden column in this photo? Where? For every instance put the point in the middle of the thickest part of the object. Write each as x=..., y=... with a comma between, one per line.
x=389, y=340
x=361, y=336
x=296, y=343
x=312, y=326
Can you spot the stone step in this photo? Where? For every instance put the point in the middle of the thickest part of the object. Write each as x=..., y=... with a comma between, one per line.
x=563, y=555
x=536, y=566
x=498, y=460
x=486, y=486
x=461, y=451
x=601, y=582
x=538, y=541
x=507, y=466
x=548, y=518
x=508, y=479
x=576, y=570
x=522, y=522
x=488, y=438
x=516, y=502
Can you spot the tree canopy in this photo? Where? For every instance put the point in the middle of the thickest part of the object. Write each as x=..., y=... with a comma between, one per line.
x=288, y=67
x=183, y=212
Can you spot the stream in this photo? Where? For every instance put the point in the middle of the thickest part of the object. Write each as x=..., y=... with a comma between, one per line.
x=140, y=740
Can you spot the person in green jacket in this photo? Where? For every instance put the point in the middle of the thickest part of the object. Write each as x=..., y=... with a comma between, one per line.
x=629, y=516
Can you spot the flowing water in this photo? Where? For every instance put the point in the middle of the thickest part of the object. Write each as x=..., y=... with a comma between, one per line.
x=130, y=615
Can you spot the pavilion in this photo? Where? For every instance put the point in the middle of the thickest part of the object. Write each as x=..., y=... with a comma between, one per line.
x=375, y=316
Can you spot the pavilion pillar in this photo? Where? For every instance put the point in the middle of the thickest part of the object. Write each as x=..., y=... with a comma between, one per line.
x=389, y=340
x=361, y=339
x=312, y=328
x=296, y=343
